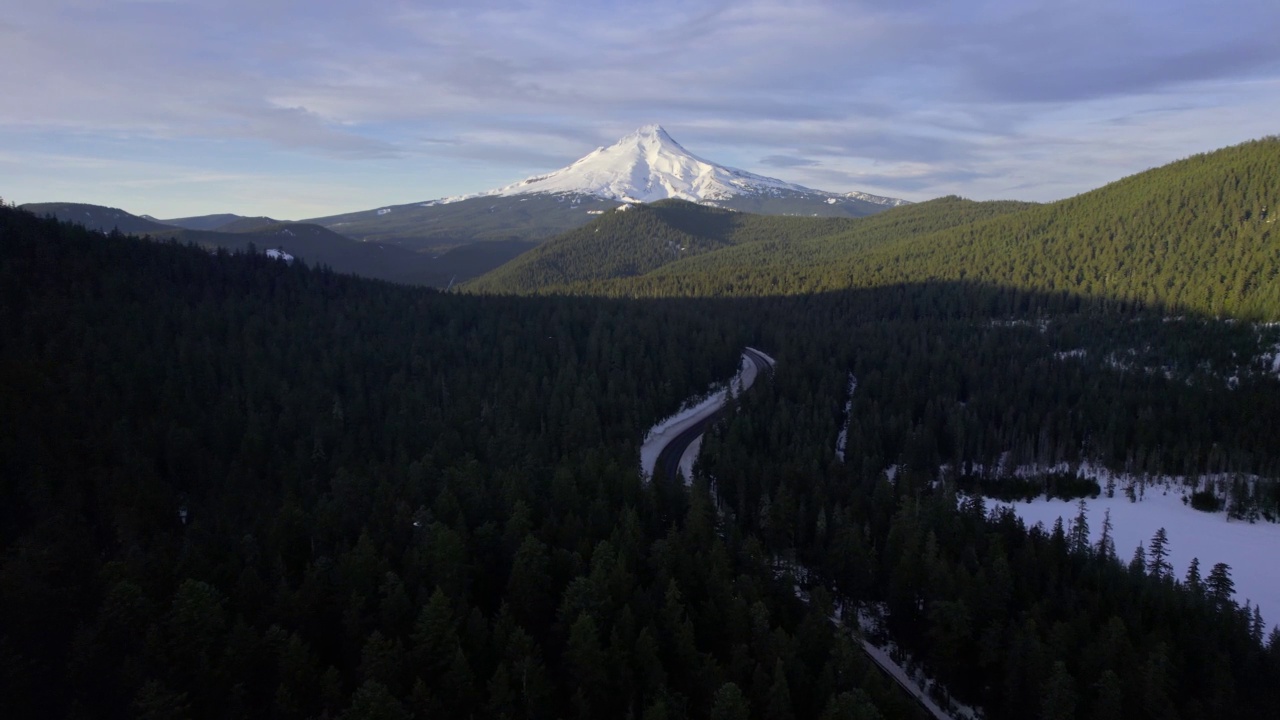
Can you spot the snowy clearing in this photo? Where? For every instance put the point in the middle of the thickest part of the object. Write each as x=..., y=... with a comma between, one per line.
x=1249, y=548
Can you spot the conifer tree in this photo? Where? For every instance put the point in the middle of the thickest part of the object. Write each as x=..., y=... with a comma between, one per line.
x=1193, y=582
x=1106, y=544
x=1220, y=585
x=1157, y=562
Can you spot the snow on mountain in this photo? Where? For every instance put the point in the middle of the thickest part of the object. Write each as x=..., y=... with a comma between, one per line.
x=877, y=199
x=649, y=165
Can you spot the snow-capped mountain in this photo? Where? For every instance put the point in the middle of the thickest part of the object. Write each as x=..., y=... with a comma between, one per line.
x=649, y=165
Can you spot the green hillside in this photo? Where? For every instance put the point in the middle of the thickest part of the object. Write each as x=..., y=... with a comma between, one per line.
x=637, y=239
x=705, y=245
x=1192, y=235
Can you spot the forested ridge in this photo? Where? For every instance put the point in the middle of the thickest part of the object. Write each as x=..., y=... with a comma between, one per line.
x=401, y=502
x=308, y=241
x=638, y=240
x=1197, y=234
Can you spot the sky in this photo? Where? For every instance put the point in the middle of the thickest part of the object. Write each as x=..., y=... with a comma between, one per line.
x=301, y=109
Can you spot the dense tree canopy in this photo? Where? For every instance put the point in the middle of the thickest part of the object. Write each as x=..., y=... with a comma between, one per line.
x=232, y=486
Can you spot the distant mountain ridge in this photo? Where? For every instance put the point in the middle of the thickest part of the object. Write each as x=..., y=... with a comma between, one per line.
x=203, y=222
x=99, y=217
x=311, y=242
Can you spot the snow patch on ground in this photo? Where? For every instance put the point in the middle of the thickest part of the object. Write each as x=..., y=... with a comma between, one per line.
x=279, y=255
x=1273, y=358
x=1041, y=325
x=1250, y=549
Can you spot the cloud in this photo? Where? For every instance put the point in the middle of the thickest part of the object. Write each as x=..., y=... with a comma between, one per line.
x=1045, y=98
x=787, y=161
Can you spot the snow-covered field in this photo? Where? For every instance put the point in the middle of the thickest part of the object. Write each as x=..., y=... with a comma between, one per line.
x=1250, y=549
x=696, y=409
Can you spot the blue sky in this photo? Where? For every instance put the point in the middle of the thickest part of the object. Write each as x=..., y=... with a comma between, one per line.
x=301, y=109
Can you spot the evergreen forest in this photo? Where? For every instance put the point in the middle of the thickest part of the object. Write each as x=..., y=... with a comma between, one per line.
x=232, y=486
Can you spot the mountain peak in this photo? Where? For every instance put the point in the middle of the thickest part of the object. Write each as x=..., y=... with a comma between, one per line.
x=650, y=129
x=651, y=132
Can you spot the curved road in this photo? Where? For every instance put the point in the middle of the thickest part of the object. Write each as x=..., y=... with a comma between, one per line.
x=669, y=458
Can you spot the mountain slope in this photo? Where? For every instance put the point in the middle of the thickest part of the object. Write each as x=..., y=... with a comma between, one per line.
x=698, y=242
x=436, y=227
x=203, y=222
x=238, y=224
x=98, y=217
x=309, y=242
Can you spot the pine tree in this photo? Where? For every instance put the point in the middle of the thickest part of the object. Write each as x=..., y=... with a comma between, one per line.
x=1138, y=563
x=779, y=699
x=852, y=705
x=730, y=704
x=1220, y=585
x=1106, y=543
x=1059, y=695
x=1079, y=538
x=372, y=701
x=1108, y=702
x=1193, y=581
x=1157, y=563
